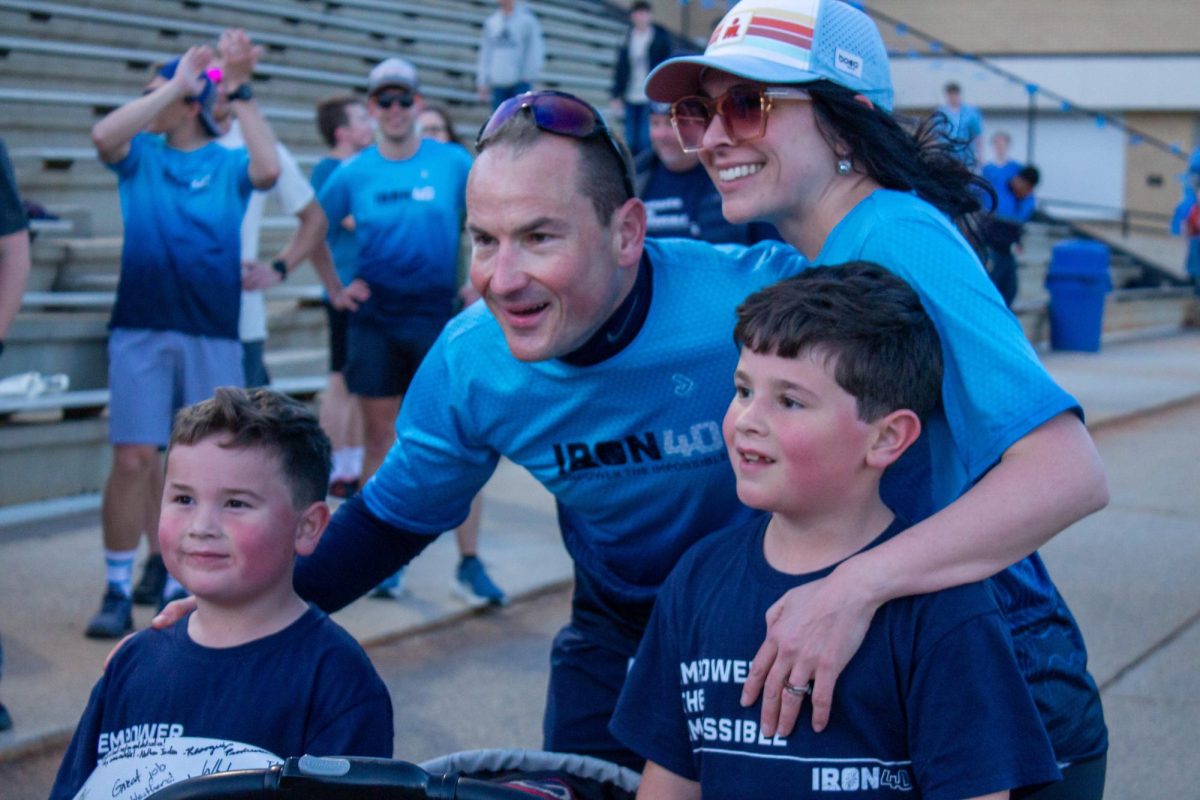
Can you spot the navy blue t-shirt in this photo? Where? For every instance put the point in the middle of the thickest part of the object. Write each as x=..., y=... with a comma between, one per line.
x=932, y=705
x=308, y=689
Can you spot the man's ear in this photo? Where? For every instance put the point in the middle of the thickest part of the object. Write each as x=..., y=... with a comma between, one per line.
x=629, y=232
x=312, y=523
x=894, y=433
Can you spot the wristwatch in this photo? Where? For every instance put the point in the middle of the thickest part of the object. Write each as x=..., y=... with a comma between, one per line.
x=279, y=265
x=243, y=92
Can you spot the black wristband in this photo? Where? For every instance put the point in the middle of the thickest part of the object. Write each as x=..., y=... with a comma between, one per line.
x=243, y=92
x=280, y=266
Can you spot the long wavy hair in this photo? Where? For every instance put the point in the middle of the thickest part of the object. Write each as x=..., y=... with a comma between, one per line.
x=913, y=156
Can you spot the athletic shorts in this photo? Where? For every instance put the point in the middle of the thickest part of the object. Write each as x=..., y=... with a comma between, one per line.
x=254, y=367
x=152, y=374
x=381, y=361
x=338, y=322
x=589, y=662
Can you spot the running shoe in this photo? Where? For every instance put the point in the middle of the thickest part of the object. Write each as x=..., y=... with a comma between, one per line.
x=115, y=617
x=472, y=583
x=154, y=580
x=392, y=588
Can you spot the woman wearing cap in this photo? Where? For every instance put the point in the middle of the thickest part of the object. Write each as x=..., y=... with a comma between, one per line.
x=790, y=109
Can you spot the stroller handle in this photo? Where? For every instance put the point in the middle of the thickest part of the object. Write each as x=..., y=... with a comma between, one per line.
x=333, y=778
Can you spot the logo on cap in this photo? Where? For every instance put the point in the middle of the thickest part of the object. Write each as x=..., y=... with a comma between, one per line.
x=849, y=62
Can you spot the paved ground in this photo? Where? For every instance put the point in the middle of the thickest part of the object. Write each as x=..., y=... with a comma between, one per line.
x=1128, y=573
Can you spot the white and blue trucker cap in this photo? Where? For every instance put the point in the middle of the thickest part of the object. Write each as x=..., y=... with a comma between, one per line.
x=786, y=42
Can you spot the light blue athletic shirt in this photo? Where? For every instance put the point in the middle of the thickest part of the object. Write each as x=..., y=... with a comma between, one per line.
x=631, y=447
x=181, y=265
x=407, y=218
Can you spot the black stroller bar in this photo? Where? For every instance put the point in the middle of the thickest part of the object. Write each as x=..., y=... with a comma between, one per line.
x=335, y=778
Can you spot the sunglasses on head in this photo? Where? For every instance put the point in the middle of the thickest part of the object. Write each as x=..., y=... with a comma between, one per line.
x=743, y=111
x=385, y=100
x=562, y=114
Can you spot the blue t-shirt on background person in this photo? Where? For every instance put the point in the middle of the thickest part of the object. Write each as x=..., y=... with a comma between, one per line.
x=181, y=265
x=407, y=218
x=931, y=706
x=308, y=689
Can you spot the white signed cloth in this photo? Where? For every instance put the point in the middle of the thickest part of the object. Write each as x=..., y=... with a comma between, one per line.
x=139, y=770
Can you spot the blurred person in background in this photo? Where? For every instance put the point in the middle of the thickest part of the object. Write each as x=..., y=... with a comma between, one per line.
x=14, y=273
x=512, y=53
x=646, y=45
x=962, y=125
x=174, y=327
x=346, y=128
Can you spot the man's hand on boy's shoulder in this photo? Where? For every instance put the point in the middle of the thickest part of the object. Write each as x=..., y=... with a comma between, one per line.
x=172, y=612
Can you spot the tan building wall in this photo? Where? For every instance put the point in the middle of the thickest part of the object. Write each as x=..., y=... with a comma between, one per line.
x=1151, y=175
x=1010, y=26
x=1047, y=27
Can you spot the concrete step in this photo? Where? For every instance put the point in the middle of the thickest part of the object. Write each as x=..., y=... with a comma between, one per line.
x=47, y=454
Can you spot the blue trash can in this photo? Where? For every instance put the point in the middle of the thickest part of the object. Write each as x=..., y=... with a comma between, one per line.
x=1078, y=281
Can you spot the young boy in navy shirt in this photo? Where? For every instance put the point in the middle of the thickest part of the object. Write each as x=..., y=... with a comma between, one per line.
x=244, y=495
x=838, y=367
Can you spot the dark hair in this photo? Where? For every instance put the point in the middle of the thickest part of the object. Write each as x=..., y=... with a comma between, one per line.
x=952, y=88
x=921, y=161
x=1030, y=173
x=331, y=115
x=264, y=419
x=885, y=349
x=447, y=120
x=641, y=5
x=601, y=171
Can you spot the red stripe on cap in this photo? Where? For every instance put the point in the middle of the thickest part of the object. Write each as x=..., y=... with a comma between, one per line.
x=804, y=42
x=782, y=24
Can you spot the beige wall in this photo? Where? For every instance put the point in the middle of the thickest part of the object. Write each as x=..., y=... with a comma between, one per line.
x=1013, y=26
x=1150, y=174
x=1052, y=26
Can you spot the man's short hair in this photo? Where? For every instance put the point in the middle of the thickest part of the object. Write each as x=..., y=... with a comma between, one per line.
x=262, y=418
x=952, y=88
x=601, y=171
x=868, y=321
x=332, y=114
x=641, y=5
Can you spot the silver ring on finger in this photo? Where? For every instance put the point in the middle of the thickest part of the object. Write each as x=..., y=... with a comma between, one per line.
x=798, y=691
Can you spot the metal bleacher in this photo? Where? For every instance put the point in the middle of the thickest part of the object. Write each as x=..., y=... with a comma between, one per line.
x=65, y=64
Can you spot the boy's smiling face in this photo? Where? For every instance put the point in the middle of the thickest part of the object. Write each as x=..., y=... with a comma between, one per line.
x=794, y=435
x=229, y=528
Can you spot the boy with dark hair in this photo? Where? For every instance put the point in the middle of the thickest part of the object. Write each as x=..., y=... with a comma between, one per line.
x=838, y=367
x=245, y=488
